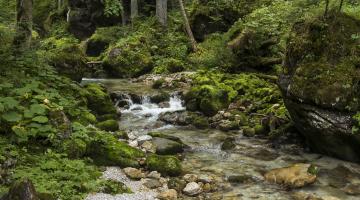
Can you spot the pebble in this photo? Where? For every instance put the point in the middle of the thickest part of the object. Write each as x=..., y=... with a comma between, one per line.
x=154, y=174
x=192, y=189
x=143, y=138
x=134, y=173
x=151, y=183
x=206, y=178
x=190, y=178
x=170, y=194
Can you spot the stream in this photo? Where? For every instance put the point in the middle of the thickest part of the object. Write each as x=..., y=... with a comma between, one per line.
x=248, y=160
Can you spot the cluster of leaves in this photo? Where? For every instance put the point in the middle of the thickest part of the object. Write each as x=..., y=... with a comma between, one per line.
x=356, y=126
x=57, y=175
x=113, y=7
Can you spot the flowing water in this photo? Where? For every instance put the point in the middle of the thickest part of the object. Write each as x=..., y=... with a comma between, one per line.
x=250, y=159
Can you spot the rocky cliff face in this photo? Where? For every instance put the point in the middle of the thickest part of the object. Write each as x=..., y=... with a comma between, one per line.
x=321, y=83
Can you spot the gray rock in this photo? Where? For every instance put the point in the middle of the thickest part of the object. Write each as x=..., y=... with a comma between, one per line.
x=143, y=138
x=134, y=173
x=166, y=146
x=170, y=194
x=151, y=183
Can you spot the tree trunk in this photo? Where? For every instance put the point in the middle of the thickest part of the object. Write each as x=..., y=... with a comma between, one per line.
x=341, y=5
x=60, y=4
x=134, y=9
x=24, y=22
x=126, y=12
x=327, y=8
x=187, y=26
x=161, y=12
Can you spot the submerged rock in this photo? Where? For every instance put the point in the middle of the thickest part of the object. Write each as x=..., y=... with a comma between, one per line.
x=166, y=146
x=295, y=176
x=321, y=83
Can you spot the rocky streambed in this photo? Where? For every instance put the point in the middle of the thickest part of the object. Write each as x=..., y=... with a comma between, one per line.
x=217, y=164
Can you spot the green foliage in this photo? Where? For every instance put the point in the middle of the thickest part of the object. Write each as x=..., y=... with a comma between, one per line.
x=356, y=126
x=113, y=8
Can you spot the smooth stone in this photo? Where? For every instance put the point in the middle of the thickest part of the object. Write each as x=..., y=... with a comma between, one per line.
x=294, y=176
x=134, y=173
x=205, y=178
x=192, y=189
x=143, y=138
x=151, y=183
x=149, y=147
x=170, y=194
x=190, y=178
x=154, y=174
x=167, y=147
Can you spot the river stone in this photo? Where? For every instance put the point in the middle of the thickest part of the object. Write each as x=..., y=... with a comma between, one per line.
x=295, y=176
x=154, y=174
x=149, y=146
x=143, y=138
x=170, y=194
x=205, y=178
x=167, y=147
x=134, y=173
x=192, y=189
x=177, y=184
x=151, y=183
x=228, y=144
x=22, y=190
x=190, y=178
x=352, y=189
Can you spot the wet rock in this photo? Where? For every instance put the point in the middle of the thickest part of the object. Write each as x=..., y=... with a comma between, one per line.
x=167, y=147
x=249, y=132
x=181, y=118
x=154, y=174
x=295, y=176
x=192, y=189
x=228, y=144
x=159, y=98
x=166, y=165
x=264, y=154
x=164, y=105
x=151, y=183
x=143, y=139
x=242, y=179
x=170, y=194
x=162, y=135
x=177, y=184
x=352, y=189
x=206, y=178
x=134, y=173
x=190, y=178
x=227, y=125
x=149, y=146
x=22, y=190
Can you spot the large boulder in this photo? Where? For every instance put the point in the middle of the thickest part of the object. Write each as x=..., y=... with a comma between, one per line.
x=85, y=15
x=321, y=83
x=22, y=190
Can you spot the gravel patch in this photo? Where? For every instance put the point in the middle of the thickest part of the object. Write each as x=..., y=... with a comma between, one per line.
x=140, y=192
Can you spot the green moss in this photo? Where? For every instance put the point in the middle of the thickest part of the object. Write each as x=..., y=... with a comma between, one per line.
x=158, y=83
x=161, y=97
x=200, y=122
x=356, y=126
x=108, y=125
x=121, y=135
x=166, y=165
x=106, y=150
x=98, y=99
x=75, y=148
x=260, y=129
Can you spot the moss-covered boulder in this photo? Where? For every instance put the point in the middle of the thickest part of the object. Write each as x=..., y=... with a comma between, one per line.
x=106, y=150
x=22, y=190
x=108, y=125
x=166, y=165
x=98, y=99
x=66, y=56
x=207, y=98
x=130, y=57
x=101, y=39
x=321, y=83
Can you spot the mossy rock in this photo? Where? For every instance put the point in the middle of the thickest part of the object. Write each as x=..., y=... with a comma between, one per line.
x=166, y=165
x=108, y=125
x=100, y=40
x=98, y=99
x=167, y=147
x=107, y=150
x=121, y=135
x=161, y=97
x=320, y=84
x=199, y=121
